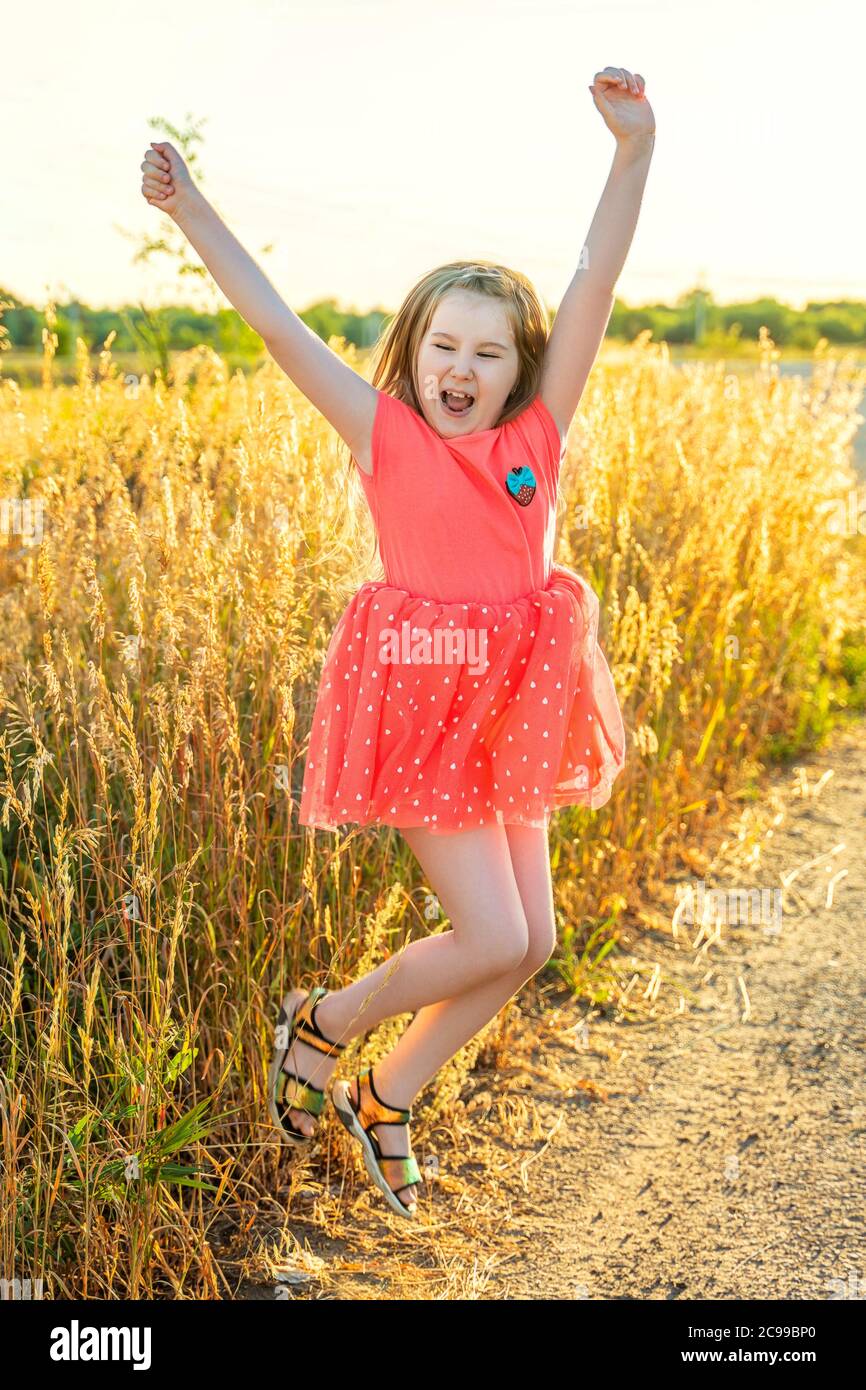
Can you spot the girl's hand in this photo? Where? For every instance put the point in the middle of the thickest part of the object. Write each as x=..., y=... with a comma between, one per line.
x=166, y=183
x=619, y=96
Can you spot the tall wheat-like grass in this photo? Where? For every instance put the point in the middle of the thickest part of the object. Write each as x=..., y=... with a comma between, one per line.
x=159, y=657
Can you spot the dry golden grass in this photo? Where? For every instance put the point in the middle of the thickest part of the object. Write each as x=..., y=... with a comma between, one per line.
x=159, y=658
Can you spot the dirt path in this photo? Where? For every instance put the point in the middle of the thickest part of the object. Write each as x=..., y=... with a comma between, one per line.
x=729, y=1164
x=716, y=1155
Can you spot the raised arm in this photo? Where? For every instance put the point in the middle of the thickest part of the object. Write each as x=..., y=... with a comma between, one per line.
x=583, y=315
x=339, y=392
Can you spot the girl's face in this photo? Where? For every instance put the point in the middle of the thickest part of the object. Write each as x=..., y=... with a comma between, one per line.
x=469, y=347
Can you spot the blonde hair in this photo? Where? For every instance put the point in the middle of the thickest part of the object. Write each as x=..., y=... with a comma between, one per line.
x=395, y=353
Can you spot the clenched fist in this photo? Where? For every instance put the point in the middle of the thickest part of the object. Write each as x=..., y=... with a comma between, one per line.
x=166, y=183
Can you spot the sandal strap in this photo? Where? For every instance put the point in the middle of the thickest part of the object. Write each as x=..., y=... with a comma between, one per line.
x=295, y=1093
x=398, y=1170
x=372, y=1109
x=306, y=1029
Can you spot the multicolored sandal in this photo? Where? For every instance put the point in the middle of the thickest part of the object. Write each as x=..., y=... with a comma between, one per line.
x=359, y=1121
x=287, y=1090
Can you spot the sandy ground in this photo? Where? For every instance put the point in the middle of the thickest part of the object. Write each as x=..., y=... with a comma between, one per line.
x=729, y=1163
x=715, y=1153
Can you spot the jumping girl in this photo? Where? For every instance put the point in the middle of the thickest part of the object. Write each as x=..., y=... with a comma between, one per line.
x=465, y=697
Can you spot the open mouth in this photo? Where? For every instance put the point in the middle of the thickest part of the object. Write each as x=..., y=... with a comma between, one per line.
x=456, y=402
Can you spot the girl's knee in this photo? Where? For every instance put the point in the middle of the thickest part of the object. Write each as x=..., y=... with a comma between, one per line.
x=511, y=946
x=540, y=947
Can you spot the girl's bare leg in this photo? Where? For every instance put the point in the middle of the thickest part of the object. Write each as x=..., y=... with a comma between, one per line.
x=440, y=1029
x=472, y=874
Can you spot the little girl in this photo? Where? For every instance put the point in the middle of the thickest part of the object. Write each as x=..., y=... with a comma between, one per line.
x=465, y=696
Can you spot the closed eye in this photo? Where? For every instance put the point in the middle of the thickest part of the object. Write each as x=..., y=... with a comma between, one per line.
x=445, y=348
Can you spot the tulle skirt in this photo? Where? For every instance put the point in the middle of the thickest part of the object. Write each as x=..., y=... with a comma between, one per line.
x=451, y=716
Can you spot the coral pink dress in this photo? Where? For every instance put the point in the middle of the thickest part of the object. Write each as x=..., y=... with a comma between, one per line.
x=468, y=687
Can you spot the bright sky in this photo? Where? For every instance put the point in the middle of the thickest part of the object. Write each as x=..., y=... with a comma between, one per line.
x=370, y=140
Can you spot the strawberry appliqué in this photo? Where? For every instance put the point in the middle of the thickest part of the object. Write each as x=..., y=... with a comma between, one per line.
x=520, y=482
